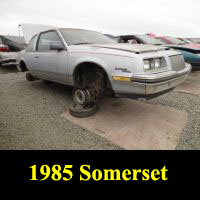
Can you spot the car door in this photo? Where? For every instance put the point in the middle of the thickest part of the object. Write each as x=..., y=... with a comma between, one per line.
x=51, y=64
x=29, y=56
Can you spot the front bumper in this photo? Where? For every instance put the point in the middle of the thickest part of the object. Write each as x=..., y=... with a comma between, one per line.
x=8, y=61
x=8, y=58
x=150, y=88
x=165, y=85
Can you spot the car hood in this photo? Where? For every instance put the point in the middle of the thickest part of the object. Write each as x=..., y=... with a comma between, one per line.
x=29, y=30
x=136, y=48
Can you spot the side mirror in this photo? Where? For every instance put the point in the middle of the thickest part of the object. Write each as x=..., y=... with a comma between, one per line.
x=56, y=47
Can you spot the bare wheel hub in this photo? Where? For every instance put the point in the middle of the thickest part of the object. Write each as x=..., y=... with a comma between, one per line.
x=80, y=97
x=84, y=97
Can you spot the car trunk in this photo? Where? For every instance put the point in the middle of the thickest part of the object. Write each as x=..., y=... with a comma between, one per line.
x=14, y=43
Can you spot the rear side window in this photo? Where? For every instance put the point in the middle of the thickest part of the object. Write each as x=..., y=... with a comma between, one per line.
x=31, y=45
x=46, y=39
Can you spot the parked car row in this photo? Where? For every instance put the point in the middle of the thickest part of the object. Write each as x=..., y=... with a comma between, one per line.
x=189, y=49
x=136, y=66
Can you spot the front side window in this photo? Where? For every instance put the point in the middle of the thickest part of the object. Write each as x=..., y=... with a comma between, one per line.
x=31, y=45
x=46, y=39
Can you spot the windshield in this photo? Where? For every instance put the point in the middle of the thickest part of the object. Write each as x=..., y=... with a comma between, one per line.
x=76, y=36
x=175, y=41
x=187, y=41
x=116, y=39
x=194, y=40
x=150, y=40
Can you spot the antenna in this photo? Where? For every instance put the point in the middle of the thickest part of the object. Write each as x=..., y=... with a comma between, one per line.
x=19, y=29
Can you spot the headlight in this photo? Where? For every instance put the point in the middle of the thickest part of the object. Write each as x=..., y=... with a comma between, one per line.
x=157, y=63
x=163, y=62
x=147, y=64
x=154, y=63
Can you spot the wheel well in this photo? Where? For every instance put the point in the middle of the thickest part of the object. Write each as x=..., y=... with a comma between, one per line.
x=88, y=74
x=22, y=66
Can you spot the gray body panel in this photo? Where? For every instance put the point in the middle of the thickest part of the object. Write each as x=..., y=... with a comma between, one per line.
x=49, y=65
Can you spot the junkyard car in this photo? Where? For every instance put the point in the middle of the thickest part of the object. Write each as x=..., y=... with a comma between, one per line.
x=93, y=63
x=187, y=41
x=136, y=39
x=195, y=40
x=191, y=52
x=10, y=46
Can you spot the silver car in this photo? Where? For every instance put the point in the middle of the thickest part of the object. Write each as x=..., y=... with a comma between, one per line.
x=93, y=64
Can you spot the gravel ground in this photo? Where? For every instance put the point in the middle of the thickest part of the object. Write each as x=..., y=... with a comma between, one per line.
x=190, y=138
x=30, y=116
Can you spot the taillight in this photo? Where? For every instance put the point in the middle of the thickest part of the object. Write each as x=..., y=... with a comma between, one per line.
x=4, y=49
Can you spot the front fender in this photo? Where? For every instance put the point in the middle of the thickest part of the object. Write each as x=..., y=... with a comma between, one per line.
x=74, y=63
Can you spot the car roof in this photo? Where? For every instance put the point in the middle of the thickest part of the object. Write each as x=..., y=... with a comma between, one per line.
x=76, y=29
x=135, y=35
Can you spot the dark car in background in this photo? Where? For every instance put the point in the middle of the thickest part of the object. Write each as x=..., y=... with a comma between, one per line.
x=9, y=48
x=3, y=47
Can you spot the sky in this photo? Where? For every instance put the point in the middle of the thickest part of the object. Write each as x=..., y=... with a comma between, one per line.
x=178, y=18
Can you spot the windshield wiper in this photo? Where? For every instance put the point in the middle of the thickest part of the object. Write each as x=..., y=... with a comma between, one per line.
x=83, y=43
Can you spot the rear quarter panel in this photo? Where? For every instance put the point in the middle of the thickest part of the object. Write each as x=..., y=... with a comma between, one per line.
x=190, y=57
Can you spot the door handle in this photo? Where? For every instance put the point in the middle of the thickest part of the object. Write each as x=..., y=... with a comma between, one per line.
x=36, y=56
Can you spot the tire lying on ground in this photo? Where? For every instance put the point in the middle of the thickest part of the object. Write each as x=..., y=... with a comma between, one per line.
x=29, y=77
x=90, y=82
x=83, y=97
x=47, y=82
x=83, y=111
